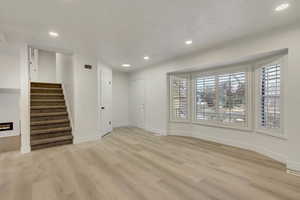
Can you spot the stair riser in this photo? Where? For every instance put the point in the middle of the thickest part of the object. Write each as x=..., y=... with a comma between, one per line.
x=45, y=85
x=49, y=135
x=34, y=119
x=37, y=147
x=47, y=104
x=43, y=96
x=39, y=127
x=46, y=91
x=36, y=97
x=48, y=110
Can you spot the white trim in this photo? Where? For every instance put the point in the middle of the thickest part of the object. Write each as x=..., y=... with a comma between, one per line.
x=295, y=166
x=68, y=106
x=241, y=68
x=9, y=133
x=257, y=71
x=157, y=131
x=170, y=105
x=88, y=138
x=222, y=125
x=244, y=145
x=251, y=95
x=272, y=134
x=293, y=172
x=24, y=101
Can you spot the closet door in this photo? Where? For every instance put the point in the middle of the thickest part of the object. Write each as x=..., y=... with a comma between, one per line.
x=137, y=103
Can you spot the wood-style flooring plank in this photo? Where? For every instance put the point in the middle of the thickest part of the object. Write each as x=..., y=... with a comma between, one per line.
x=133, y=164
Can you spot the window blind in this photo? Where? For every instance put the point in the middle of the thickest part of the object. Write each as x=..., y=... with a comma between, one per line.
x=206, y=98
x=179, y=97
x=222, y=98
x=232, y=98
x=270, y=97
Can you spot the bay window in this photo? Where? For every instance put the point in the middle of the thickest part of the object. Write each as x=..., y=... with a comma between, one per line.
x=179, y=93
x=269, y=93
x=232, y=97
x=221, y=98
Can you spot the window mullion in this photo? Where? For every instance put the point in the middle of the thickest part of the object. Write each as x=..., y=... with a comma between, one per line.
x=217, y=99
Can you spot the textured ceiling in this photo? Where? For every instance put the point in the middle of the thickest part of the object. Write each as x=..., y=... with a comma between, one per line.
x=124, y=31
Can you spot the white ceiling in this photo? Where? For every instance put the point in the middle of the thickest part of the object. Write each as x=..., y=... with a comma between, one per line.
x=124, y=31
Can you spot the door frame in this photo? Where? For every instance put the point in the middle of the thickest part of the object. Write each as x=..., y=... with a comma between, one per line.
x=100, y=82
x=144, y=102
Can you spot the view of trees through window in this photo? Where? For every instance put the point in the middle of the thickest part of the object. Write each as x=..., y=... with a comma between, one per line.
x=231, y=97
x=180, y=98
x=222, y=98
x=270, y=96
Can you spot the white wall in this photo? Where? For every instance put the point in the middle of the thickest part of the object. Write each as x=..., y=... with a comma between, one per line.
x=287, y=151
x=86, y=108
x=9, y=112
x=120, y=99
x=9, y=87
x=9, y=66
x=46, y=67
x=65, y=75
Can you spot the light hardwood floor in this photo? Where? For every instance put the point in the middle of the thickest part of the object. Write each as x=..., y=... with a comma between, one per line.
x=131, y=164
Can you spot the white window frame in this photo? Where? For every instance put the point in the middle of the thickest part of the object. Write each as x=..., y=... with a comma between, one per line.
x=252, y=99
x=171, y=116
x=282, y=60
x=216, y=72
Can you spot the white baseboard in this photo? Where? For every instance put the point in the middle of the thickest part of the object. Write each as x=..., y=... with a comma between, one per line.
x=89, y=138
x=293, y=166
x=274, y=155
x=293, y=172
x=214, y=139
x=121, y=126
x=10, y=133
x=158, y=131
x=25, y=149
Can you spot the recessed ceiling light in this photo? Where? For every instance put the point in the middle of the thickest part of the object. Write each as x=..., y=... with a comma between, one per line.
x=53, y=34
x=188, y=42
x=146, y=58
x=282, y=7
x=126, y=65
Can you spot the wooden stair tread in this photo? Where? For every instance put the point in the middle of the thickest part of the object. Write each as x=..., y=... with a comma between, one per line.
x=47, y=94
x=46, y=107
x=47, y=122
x=48, y=114
x=45, y=88
x=58, y=84
x=53, y=144
x=50, y=125
x=47, y=100
x=51, y=140
x=50, y=130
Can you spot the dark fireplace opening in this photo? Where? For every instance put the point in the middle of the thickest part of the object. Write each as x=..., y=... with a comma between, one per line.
x=8, y=126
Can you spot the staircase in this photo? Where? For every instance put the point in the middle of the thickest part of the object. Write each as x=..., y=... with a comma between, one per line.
x=50, y=124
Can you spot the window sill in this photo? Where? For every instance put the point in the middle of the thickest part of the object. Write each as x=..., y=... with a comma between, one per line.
x=264, y=132
x=180, y=121
x=223, y=126
x=213, y=125
x=268, y=133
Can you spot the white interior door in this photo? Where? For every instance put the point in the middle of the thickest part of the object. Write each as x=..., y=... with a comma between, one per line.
x=33, y=63
x=105, y=102
x=137, y=103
